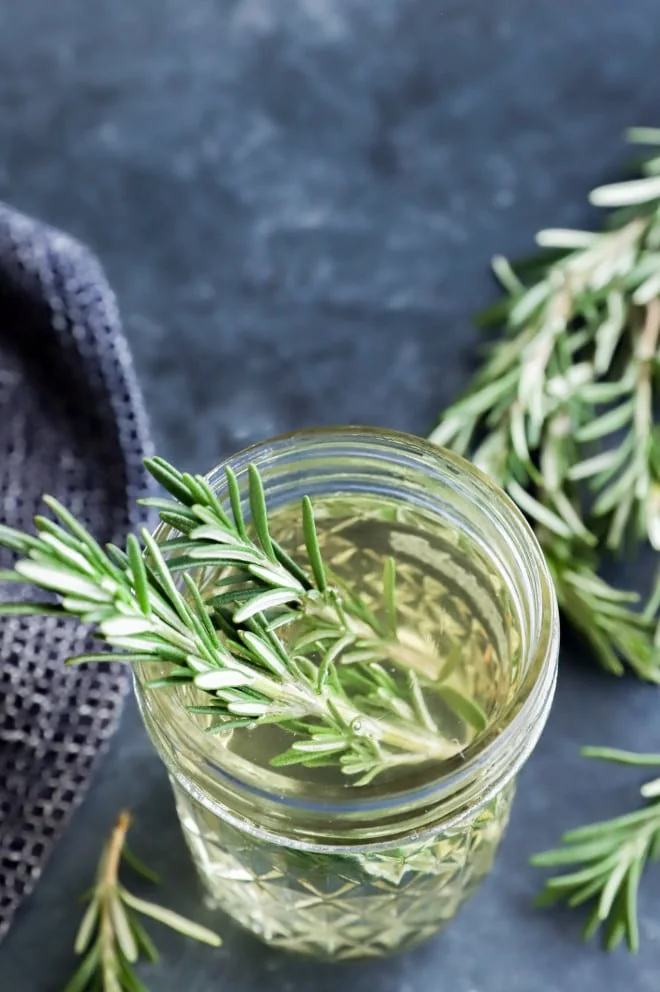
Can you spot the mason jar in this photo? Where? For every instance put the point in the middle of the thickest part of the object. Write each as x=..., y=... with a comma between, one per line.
x=324, y=866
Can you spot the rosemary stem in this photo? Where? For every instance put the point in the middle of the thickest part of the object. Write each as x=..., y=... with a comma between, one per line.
x=110, y=864
x=306, y=701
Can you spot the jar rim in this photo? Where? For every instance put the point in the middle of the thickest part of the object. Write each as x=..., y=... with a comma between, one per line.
x=485, y=765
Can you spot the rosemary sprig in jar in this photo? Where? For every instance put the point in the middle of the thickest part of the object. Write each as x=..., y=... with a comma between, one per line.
x=223, y=634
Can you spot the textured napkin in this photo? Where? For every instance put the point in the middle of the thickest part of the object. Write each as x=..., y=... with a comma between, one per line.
x=71, y=424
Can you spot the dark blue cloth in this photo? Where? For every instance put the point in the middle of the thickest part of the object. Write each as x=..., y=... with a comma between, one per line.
x=71, y=424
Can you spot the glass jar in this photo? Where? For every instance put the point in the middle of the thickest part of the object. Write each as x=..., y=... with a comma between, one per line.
x=340, y=871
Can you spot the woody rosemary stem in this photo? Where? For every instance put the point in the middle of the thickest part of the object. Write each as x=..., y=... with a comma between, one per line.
x=110, y=864
x=107, y=889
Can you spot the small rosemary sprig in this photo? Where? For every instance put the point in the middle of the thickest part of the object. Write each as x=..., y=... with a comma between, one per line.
x=111, y=937
x=607, y=860
x=220, y=628
x=562, y=412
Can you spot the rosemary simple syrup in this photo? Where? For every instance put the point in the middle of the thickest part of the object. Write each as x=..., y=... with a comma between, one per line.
x=453, y=614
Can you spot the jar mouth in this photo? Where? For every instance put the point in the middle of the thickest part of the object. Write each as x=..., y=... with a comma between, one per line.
x=270, y=803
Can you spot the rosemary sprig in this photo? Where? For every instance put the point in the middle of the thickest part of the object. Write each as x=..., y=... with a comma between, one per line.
x=111, y=937
x=220, y=628
x=607, y=860
x=561, y=414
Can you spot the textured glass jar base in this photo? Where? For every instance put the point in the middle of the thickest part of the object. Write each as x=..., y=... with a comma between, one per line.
x=335, y=905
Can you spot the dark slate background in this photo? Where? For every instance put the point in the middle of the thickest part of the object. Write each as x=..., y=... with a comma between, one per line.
x=296, y=201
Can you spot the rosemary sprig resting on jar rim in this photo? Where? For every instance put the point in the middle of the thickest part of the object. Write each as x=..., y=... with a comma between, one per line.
x=344, y=645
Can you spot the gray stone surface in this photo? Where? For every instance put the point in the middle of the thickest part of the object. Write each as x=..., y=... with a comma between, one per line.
x=296, y=202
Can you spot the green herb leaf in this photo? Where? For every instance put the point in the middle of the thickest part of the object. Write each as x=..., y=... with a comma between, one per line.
x=87, y=926
x=138, y=865
x=312, y=544
x=84, y=973
x=139, y=574
x=172, y=920
x=259, y=512
x=389, y=594
x=464, y=707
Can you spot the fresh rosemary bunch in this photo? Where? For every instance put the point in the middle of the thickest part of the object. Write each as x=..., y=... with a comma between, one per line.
x=607, y=860
x=220, y=627
x=111, y=938
x=561, y=413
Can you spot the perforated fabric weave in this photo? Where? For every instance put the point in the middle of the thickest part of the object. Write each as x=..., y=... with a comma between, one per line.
x=71, y=424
